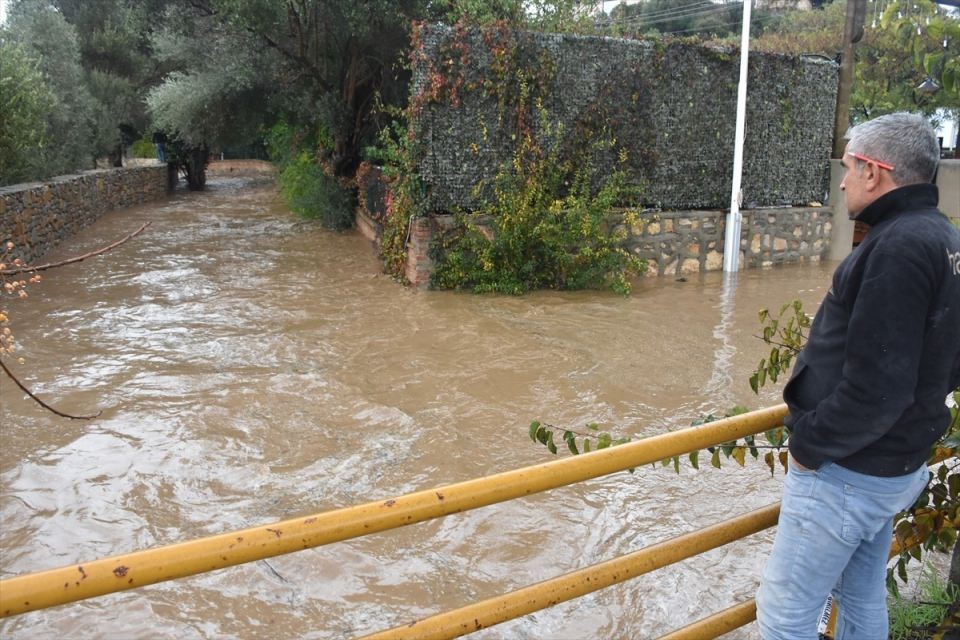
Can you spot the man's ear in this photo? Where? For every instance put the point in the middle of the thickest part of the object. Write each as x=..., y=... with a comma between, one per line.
x=872, y=176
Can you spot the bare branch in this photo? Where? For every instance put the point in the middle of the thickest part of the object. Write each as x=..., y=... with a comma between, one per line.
x=41, y=402
x=52, y=265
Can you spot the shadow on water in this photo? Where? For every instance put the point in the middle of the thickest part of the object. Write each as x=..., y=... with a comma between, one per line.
x=252, y=367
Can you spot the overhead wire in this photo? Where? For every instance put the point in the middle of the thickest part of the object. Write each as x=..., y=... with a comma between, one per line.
x=694, y=14
x=690, y=11
x=668, y=15
x=659, y=12
x=755, y=20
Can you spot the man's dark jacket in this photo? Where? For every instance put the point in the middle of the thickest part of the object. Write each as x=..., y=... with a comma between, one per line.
x=868, y=389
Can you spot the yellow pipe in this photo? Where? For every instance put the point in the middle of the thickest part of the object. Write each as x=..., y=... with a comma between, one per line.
x=718, y=624
x=108, y=575
x=486, y=613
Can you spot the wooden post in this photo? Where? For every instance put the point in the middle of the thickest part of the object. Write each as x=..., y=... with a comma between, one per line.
x=852, y=33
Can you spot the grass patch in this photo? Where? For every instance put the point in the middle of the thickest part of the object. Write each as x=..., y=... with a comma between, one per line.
x=917, y=618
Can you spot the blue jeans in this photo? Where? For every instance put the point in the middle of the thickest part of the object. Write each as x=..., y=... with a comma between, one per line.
x=834, y=536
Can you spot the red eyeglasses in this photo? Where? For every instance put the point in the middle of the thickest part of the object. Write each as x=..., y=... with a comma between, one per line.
x=860, y=156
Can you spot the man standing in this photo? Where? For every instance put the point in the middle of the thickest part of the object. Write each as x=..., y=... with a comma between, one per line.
x=867, y=393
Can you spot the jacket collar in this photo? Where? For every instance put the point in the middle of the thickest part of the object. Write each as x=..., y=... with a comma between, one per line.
x=911, y=196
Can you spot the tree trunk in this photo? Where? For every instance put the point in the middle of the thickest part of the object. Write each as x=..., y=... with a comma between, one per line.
x=197, y=169
x=172, y=176
x=116, y=158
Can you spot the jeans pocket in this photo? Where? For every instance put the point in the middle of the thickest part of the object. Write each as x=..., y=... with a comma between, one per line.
x=802, y=481
x=795, y=467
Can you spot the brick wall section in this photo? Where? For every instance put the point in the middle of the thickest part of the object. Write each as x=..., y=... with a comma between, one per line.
x=419, y=264
x=37, y=217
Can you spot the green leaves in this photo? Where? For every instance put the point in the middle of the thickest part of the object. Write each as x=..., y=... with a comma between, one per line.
x=546, y=215
x=550, y=445
x=534, y=429
x=715, y=459
x=928, y=39
x=571, y=441
x=594, y=439
x=776, y=437
x=25, y=99
x=544, y=434
x=785, y=335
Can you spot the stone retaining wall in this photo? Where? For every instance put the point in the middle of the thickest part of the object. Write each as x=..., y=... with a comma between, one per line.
x=683, y=242
x=37, y=217
x=672, y=242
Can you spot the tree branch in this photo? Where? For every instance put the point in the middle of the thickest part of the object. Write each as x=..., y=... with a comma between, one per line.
x=271, y=42
x=41, y=402
x=783, y=345
x=52, y=265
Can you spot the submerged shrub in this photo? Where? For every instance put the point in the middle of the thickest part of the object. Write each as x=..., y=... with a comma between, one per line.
x=311, y=193
x=546, y=226
x=307, y=189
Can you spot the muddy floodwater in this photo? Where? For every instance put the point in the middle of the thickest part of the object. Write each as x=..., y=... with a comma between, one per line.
x=253, y=367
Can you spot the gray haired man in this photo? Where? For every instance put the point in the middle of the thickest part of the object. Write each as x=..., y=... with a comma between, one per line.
x=867, y=393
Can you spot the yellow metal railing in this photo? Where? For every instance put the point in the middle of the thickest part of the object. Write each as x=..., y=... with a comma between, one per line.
x=108, y=575
x=545, y=594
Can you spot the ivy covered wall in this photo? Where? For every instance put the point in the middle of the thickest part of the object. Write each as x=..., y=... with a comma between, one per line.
x=671, y=107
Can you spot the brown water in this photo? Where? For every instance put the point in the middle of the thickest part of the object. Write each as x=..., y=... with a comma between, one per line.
x=252, y=367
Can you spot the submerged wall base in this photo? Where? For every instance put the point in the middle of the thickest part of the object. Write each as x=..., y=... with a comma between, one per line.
x=673, y=243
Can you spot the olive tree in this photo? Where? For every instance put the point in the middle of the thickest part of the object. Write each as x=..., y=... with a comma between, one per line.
x=25, y=99
x=48, y=39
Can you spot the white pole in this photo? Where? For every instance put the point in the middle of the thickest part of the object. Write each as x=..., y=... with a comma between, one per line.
x=731, y=244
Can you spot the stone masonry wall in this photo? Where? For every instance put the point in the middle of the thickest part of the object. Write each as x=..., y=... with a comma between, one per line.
x=37, y=217
x=683, y=242
x=678, y=243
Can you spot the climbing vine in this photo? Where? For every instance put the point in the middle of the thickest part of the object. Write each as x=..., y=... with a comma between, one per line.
x=543, y=221
x=405, y=195
x=543, y=228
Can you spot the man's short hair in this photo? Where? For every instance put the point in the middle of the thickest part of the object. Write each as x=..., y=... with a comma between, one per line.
x=904, y=140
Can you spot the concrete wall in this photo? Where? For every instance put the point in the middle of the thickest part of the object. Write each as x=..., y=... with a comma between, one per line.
x=37, y=217
x=948, y=180
x=841, y=243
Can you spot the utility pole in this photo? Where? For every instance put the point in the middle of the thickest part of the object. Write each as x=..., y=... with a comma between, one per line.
x=852, y=34
x=731, y=242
